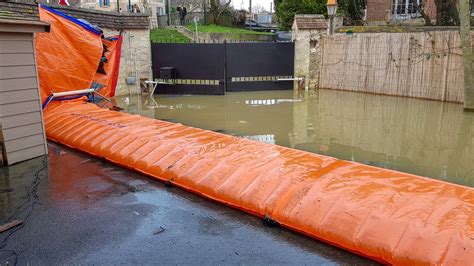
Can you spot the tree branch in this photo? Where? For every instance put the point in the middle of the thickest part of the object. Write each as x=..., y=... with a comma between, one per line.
x=224, y=8
x=420, y=9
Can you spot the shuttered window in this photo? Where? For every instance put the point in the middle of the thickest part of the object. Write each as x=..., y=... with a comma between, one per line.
x=104, y=3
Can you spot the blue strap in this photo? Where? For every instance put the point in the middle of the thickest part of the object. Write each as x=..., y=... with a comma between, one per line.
x=78, y=22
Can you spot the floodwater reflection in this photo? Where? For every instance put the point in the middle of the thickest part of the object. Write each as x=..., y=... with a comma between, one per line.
x=422, y=137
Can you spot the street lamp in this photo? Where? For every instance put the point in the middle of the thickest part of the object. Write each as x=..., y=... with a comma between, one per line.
x=332, y=9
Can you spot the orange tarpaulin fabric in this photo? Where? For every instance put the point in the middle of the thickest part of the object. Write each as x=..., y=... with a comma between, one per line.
x=67, y=56
x=111, y=67
x=385, y=215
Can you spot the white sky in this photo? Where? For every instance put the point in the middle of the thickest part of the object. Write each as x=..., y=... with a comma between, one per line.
x=244, y=4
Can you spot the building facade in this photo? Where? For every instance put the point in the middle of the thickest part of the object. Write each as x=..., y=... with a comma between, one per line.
x=398, y=10
x=153, y=8
x=401, y=11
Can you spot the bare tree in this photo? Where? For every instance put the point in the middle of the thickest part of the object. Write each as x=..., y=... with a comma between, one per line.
x=421, y=9
x=196, y=5
x=218, y=7
x=257, y=9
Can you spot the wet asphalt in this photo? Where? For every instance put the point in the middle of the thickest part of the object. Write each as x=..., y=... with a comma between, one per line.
x=80, y=210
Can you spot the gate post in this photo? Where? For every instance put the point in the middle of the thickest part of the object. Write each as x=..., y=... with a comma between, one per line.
x=307, y=32
x=225, y=66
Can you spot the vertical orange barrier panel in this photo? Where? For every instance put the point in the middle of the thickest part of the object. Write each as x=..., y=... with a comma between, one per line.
x=112, y=66
x=67, y=56
x=389, y=216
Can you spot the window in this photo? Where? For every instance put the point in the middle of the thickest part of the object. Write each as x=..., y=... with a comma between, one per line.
x=472, y=7
x=160, y=10
x=104, y=3
x=405, y=9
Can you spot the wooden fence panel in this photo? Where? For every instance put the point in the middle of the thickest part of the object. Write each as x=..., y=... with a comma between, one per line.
x=417, y=64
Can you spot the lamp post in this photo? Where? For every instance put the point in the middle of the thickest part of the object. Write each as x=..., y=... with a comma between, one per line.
x=332, y=9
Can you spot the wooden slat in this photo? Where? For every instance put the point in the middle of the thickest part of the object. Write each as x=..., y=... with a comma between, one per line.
x=17, y=59
x=12, y=47
x=20, y=120
x=15, y=36
x=22, y=131
x=18, y=84
x=10, y=225
x=29, y=153
x=24, y=143
x=19, y=108
x=17, y=72
x=18, y=96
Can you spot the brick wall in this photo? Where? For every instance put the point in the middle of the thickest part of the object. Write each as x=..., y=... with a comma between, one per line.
x=430, y=9
x=379, y=10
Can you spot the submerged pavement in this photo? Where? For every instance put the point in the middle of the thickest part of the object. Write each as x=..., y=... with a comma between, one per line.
x=80, y=210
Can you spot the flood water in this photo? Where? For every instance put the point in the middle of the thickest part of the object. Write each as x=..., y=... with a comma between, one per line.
x=417, y=136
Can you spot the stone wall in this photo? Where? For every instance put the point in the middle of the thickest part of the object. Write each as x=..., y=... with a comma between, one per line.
x=135, y=59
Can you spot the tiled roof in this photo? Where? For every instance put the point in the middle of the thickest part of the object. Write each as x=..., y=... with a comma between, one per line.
x=12, y=10
x=106, y=19
x=310, y=21
x=29, y=10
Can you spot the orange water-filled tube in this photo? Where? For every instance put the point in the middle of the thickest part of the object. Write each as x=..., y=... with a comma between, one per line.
x=385, y=215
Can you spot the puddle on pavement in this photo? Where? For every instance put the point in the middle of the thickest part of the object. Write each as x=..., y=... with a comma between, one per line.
x=417, y=136
x=85, y=211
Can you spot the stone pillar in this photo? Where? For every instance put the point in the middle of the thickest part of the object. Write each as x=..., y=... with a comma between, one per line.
x=313, y=75
x=301, y=40
x=464, y=16
x=308, y=56
x=307, y=31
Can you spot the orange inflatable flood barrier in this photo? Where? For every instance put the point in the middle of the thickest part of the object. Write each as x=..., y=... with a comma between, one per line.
x=389, y=216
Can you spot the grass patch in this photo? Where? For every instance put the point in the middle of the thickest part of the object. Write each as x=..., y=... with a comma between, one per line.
x=223, y=29
x=161, y=35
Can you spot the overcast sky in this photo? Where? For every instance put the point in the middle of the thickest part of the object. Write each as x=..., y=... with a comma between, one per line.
x=244, y=4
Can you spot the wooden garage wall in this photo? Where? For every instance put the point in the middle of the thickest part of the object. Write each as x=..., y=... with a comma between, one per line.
x=20, y=108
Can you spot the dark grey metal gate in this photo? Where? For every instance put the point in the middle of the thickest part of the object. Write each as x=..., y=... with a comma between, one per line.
x=199, y=67
x=259, y=66
x=207, y=68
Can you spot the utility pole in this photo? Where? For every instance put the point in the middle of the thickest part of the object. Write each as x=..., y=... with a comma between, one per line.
x=169, y=13
x=205, y=11
x=465, y=19
x=250, y=8
x=250, y=14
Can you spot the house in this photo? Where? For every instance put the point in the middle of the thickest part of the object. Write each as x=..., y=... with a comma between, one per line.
x=152, y=7
x=400, y=11
x=22, y=134
x=382, y=11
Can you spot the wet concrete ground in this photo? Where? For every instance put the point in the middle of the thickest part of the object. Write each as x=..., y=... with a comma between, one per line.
x=80, y=210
